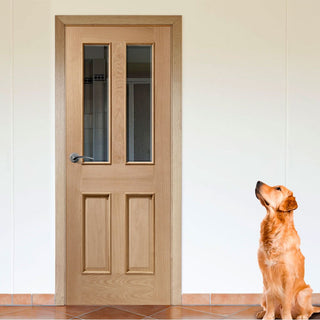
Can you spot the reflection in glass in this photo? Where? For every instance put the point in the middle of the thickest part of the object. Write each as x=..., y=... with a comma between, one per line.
x=139, y=103
x=96, y=102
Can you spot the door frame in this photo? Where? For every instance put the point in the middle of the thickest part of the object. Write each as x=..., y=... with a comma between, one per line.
x=175, y=22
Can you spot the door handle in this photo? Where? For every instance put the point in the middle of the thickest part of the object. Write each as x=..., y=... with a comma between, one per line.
x=74, y=157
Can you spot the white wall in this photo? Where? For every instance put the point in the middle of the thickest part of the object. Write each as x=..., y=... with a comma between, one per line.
x=27, y=141
x=6, y=225
x=250, y=105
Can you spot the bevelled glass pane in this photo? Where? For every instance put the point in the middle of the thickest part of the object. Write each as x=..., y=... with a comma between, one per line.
x=96, y=102
x=139, y=103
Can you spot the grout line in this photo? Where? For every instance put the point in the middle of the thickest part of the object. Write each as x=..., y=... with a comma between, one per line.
x=152, y=314
x=60, y=312
x=219, y=314
x=231, y=314
x=83, y=314
x=19, y=305
x=136, y=313
x=206, y=312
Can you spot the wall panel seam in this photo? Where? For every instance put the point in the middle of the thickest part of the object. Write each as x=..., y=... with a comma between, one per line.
x=12, y=147
x=286, y=98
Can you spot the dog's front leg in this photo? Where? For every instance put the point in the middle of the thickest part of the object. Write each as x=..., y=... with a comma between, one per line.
x=286, y=309
x=286, y=304
x=270, y=306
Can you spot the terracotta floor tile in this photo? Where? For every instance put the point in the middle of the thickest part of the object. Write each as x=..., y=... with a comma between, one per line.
x=77, y=311
x=248, y=313
x=37, y=313
x=221, y=310
x=10, y=309
x=111, y=313
x=145, y=310
x=176, y=312
x=132, y=312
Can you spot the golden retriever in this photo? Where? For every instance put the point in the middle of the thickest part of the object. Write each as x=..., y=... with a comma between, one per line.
x=285, y=294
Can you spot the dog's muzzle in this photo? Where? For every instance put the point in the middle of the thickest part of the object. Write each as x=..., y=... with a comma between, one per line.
x=259, y=183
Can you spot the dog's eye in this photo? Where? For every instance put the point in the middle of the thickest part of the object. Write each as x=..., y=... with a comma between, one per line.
x=278, y=188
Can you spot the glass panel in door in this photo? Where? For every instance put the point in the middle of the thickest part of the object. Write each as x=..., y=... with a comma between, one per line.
x=139, y=113
x=96, y=103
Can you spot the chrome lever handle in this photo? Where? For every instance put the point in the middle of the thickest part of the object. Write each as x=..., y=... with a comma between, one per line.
x=74, y=157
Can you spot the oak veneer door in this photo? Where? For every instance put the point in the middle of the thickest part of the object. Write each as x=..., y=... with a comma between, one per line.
x=118, y=203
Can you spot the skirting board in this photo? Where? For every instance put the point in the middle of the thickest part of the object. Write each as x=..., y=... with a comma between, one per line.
x=27, y=299
x=229, y=298
x=30, y=299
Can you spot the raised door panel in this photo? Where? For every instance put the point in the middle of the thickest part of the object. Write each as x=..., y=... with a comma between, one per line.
x=140, y=233
x=96, y=234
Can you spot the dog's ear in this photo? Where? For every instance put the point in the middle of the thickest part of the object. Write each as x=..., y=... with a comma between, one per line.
x=288, y=204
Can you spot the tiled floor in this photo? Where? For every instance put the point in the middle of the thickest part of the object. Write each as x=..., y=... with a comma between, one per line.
x=132, y=312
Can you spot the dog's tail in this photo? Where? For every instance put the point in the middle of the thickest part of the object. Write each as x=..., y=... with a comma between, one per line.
x=260, y=314
x=315, y=309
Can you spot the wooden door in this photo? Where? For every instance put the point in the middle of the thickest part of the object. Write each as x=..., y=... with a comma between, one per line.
x=118, y=203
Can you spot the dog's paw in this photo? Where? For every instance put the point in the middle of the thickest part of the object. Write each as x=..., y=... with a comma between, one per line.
x=302, y=317
x=268, y=316
x=260, y=314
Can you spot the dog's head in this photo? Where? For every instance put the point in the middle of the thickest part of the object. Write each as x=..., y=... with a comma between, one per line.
x=277, y=198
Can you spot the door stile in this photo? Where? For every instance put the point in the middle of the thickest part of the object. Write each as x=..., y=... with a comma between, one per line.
x=118, y=101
